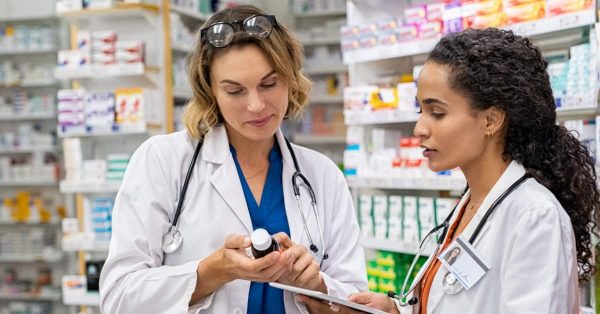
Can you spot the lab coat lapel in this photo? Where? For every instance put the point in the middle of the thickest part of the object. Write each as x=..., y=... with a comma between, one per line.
x=513, y=172
x=291, y=206
x=225, y=178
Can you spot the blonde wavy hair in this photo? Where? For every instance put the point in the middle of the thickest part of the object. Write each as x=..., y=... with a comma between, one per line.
x=282, y=49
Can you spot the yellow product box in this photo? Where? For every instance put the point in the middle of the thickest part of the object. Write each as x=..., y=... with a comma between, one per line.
x=384, y=98
x=526, y=12
x=129, y=105
x=483, y=21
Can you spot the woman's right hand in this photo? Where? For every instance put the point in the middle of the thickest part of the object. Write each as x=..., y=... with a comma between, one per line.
x=233, y=261
x=375, y=300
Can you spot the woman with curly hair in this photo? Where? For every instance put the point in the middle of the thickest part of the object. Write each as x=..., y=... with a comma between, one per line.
x=487, y=108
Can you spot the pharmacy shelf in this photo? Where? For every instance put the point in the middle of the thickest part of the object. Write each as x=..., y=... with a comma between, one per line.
x=531, y=28
x=405, y=183
x=83, y=243
x=27, y=117
x=28, y=18
x=109, y=130
x=27, y=150
x=187, y=13
x=118, y=12
x=326, y=69
x=356, y=117
x=182, y=93
x=181, y=47
x=327, y=99
x=28, y=183
x=326, y=13
x=103, y=71
x=321, y=41
x=396, y=246
x=573, y=112
x=85, y=299
x=29, y=258
x=316, y=139
x=6, y=223
x=30, y=83
x=27, y=51
x=84, y=187
x=399, y=50
x=53, y=297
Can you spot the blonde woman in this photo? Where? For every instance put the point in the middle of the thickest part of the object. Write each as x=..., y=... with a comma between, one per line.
x=190, y=200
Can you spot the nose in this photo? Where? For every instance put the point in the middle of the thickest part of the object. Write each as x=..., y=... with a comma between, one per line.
x=421, y=129
x=255, y=102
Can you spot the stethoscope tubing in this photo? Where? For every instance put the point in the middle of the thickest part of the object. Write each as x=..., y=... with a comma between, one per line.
x=445, y=225
x=173, y=230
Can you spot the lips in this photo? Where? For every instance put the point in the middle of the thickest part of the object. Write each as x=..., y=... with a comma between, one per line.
x=427, y=152
x=260, y=122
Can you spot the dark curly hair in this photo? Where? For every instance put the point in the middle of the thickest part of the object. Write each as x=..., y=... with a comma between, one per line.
x=498, y=68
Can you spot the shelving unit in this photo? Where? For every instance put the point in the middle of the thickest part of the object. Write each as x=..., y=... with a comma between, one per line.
x=181, y=22
x=317, y=27
x=29, y=297
x=27, y=117
x=310, y=139
x=392, y=246
x=412, y=48
x=145, y=22
x=406, y=183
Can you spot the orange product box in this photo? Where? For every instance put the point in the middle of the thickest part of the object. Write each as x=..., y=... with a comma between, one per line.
x=526, y=12
x=557, y=7
x=515, y=3
x=483, y=21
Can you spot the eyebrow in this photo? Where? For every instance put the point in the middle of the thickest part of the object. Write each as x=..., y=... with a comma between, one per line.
x=432, y=101
x=237, y=83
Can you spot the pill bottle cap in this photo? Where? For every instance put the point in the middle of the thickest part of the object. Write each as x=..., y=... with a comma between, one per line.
x=261, y=239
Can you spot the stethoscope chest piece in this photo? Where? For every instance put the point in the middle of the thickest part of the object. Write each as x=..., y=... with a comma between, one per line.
x=450, y=284
x=172, y=241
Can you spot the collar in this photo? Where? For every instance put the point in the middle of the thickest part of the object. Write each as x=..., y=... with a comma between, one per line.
x=513, y=172
x=216, y=148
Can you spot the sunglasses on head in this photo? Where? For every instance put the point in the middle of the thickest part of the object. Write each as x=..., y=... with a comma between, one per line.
x=220, y=34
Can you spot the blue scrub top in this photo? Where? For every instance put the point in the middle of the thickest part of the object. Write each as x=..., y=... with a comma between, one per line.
x=271, y=216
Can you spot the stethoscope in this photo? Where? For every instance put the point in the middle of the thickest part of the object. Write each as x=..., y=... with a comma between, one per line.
x=450, y=283
x=173, y=238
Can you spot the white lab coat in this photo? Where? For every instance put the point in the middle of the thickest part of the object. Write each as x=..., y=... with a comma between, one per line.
x=138, y=278
x=529, y=243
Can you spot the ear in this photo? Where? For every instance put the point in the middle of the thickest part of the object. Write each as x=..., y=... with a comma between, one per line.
x=494, y=120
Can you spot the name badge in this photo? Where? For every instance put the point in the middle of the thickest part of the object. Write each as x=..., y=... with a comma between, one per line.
x=461, y=259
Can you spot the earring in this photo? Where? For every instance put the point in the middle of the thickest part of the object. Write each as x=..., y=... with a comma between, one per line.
x=490, y=134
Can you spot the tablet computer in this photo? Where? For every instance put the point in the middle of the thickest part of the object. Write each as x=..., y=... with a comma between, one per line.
x=325, y=297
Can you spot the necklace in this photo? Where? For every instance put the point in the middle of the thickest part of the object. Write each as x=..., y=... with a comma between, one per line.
x=472, y=205
x=256, y=174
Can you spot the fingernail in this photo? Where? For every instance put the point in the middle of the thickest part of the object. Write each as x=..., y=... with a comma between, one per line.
x=247, y=241
x=335, y=307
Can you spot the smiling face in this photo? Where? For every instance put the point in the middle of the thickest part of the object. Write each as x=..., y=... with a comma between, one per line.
x=251, y=96
x=452, y=133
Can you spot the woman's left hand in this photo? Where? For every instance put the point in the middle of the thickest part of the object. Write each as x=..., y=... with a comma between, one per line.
x=305, y=272
x=316, y=306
